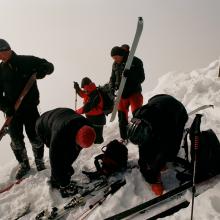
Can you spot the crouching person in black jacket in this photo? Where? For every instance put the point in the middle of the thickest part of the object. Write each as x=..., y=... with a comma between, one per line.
x=157, y=129
x=65, y=133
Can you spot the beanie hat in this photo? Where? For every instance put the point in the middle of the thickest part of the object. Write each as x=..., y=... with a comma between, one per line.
x=126, y=47
x=4, y=46
x=85, y=81
x=117, y=51
x=85, y=136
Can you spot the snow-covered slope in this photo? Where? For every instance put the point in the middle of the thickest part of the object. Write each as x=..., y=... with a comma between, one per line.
x=193, y=89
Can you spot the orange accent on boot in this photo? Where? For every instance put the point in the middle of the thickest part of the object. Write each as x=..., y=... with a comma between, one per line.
x=157, y=188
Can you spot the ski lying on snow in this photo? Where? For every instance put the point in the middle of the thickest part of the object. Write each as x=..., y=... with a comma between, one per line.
x=79, y=199
x=76, y=201
x=7, y=188
x=156, y=200
x=127, y=66
x=165, y=204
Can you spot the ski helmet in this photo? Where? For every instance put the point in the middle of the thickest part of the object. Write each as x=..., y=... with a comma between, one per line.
x=139, y=131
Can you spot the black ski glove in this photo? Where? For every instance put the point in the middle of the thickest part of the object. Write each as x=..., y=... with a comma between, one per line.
x=126, y=73
x=76, y=86
x=42, y=71
x=116, y=87
x=9, y=111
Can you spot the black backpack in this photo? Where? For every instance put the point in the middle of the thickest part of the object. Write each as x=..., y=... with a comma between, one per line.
x=208, y=155
x=108, y=98
x=113, y=159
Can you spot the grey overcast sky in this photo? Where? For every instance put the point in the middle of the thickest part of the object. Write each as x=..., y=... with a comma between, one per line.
x=77, y=36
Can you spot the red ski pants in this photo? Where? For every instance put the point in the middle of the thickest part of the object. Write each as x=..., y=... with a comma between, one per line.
x=135, y=101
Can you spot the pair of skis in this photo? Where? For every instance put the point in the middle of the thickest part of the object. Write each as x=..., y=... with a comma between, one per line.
x=166, y=204
x=80, y=200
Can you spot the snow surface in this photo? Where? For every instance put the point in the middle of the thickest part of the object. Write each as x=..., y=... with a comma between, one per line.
x=194, y=88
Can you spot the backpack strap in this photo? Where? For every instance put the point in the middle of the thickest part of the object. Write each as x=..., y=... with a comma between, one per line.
x=97, y=161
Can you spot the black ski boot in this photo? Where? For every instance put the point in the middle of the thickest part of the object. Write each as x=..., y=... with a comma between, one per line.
x=23, y=169
x=69, y=190
x=22, y=158
x=40, y=164
x=38, y=150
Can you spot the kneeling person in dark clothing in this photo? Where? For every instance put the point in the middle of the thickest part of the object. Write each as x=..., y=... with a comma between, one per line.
x=65, y=133
x=157, y=129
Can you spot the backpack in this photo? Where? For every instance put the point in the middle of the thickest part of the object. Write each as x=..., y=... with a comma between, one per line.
x=113, y=159
x=108, y=98
x=208, y=155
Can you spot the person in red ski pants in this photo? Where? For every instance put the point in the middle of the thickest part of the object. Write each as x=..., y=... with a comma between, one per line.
x=131, y=96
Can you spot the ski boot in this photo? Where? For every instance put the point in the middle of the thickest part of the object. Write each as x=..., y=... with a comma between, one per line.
x=40, y=164
x=23, y=169
x=69, y=190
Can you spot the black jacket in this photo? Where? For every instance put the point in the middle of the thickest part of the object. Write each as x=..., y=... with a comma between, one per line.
x=13, y=76
x=57, y=129
x=167, y=117
x=135, y=77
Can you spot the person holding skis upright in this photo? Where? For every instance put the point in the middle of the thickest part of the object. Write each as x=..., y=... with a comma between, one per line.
x=157, y=129
x=65, y=133
x=131, y=95
x=93, y=106
x=15, y=71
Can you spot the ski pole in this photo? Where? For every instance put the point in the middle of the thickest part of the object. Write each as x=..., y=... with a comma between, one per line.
x=75, y=100
x=196, y=133
x=113, y=188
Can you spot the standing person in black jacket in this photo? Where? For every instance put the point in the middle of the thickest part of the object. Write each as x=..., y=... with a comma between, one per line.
x=131, y=96
x=65, y=133
x=157, y=129
x=15, y=70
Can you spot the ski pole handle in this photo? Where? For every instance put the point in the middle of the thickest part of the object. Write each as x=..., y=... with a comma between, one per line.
x=195, y=132
x=75, y=100
x=195, y=128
